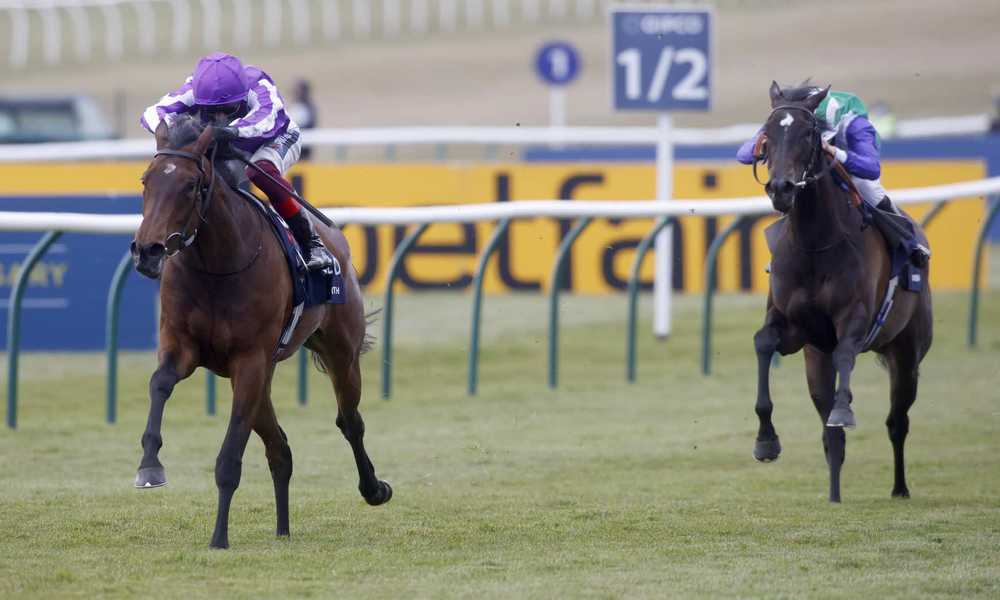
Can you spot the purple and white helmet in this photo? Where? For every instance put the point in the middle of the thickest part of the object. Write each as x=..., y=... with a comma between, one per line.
x=219, y=79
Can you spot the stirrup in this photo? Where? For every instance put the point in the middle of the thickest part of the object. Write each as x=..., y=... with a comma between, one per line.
x=318, y=258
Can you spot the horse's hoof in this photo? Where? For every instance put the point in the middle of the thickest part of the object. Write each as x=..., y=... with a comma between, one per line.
x=383, y=495
x=219, y=545
x=841, y=417
x=150, y=477
x=767, y=450
x=903, y=493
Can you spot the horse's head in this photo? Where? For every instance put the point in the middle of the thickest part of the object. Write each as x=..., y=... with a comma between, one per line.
x=175, y=194
x=792, y=142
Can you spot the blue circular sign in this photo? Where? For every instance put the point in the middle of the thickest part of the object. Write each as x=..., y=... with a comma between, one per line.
x=557, y=63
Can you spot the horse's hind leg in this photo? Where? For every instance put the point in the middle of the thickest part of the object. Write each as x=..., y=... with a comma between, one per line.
x=345, y=372
x=279, y=459
x=821, y=378
x=174, y=366
x=904, y=373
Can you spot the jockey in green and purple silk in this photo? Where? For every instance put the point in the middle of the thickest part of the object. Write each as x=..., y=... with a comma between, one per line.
x=244, y=103
x=850, y=139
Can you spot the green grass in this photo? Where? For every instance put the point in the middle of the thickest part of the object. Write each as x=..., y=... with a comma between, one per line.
x=601, y=489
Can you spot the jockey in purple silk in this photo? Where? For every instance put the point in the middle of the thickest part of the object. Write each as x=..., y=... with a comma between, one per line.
x=244, y=103
x=851, y=140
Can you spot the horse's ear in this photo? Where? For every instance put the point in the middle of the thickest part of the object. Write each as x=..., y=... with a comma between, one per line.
x=161, y=135
x=813, y=100
x=775, y=92
x=204, y=141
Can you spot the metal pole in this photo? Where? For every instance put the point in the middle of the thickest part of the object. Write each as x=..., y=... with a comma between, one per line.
x=664, y=242
x=209, y=393
x=933, y=213
x=557, y=270
x=477, y=302
x=111, y=335
x=977, y=270
x=14, y=320
x=711, y=261
x=303, y=387
x=390, y=279
x=633, y=295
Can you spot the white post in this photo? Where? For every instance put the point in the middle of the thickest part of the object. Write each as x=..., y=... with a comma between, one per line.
x=419, y=16
x=501, y=14
x=558, y=9
x=211, y=17
x=81, y=32
x=392, y=18
x=665, y=240
x=300, y=21
x=331, y=20
x=242, y=23
x=51, y=34
x=557, y=106
x=182, y=25
x=272, y=23
x=113, y=31
x=448, y=15
x=530, y=11
x=474, y=13
x=20, y=29
x=585, y=8
x=145, y=23
x=361, y=17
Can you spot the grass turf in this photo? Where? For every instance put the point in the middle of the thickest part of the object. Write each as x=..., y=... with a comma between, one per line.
x=601, y=489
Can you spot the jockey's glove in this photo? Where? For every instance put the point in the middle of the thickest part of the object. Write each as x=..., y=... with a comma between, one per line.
x=226, y=134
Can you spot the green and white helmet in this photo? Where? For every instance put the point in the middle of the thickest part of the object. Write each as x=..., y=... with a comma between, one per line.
x=838, y=109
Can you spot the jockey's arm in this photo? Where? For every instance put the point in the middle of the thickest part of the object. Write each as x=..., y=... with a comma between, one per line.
x=862, y=158
x=745, y=153
x=265, y=105
x=168, y=107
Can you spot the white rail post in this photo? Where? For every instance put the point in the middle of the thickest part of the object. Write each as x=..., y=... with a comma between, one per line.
x=331, y=20
x=20, y=33
x=114, y=45
x=448, y=15
x=530, y=11
x=300, y=22
x=558, y=9
x=242, y=23
x=585, y=8
x=420, y=16
x=272, y=23
x=663, y=280
x=51, y=34
x=146, y=26
x=80, y=23
x=211, y=24
x=181, y=24
x=474, y=13
x=501, y=14
x=361, y=17
x=392, y=18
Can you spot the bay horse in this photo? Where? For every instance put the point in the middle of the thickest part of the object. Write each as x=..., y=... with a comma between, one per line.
x=225, y=296
x=829, y=275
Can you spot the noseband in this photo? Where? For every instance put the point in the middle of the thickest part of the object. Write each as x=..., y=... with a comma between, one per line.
x=809, y=175
x=180, y=240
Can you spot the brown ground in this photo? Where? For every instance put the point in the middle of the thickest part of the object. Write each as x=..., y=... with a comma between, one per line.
x=925, y=57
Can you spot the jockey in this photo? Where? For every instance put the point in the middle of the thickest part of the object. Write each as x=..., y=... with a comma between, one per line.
x=851, y=140
x=245, y=101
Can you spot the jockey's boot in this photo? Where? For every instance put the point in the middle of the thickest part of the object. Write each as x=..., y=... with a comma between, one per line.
x=316, y=255
x=919, y=255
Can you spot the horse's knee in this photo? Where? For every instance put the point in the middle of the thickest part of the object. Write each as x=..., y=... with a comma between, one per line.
x=898, y=426
x=766, y=340
x=162, y=383
x=280, y=463
x=352, y=427
x=227, y=472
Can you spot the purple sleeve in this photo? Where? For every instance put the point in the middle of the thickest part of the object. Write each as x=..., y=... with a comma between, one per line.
x=174, y=103
x=267, y=116
x=745, y=153
x=862, y=150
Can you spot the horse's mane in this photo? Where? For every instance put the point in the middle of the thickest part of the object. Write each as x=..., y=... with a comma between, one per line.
x=185, y=129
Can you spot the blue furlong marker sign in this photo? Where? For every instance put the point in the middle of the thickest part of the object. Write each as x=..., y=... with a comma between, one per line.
x=67, y=291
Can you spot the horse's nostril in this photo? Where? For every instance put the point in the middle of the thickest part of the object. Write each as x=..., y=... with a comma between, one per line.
x=156, y=250
x=133, y=248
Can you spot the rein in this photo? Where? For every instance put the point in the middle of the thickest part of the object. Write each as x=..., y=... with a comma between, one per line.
x=179, y=240
x=809, y=177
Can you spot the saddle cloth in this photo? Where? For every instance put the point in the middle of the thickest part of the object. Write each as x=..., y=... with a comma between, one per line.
x=309, y=288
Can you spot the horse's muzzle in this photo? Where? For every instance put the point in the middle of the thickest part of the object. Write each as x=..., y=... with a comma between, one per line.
x=782, y=193
x=148, y=258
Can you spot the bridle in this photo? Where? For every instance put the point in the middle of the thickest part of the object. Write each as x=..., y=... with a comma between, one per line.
x=180, y=240
x=809, y=175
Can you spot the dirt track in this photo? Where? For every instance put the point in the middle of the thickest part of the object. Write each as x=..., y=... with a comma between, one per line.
x=924, y=57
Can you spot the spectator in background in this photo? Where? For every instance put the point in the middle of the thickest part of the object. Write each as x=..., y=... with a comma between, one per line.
x=883, y=119
x=303, y=111
x=995, y=119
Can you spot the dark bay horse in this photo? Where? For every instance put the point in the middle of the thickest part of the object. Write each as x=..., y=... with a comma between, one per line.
x=829, y=275
x=225, y=295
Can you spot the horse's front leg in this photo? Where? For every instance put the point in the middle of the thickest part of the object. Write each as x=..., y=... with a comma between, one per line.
x=174, y=366
x=851, y=330
x=250, y=377
x=774, y=336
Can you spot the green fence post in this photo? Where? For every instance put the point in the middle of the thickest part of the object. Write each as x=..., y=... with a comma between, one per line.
x=390, y=279
x=977, y=270
x=111, y=335
x=303, y=386
x=14, y=320
x=557, y=270
x=209, y=393
x=633, y=295
x=711, y=262
x=933, y=213
x=477, y=302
